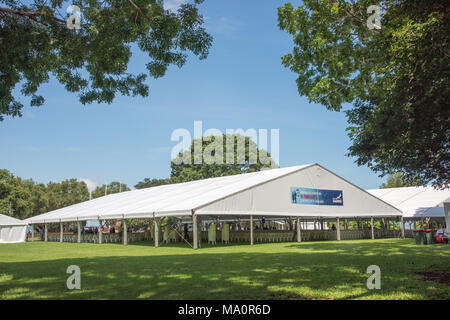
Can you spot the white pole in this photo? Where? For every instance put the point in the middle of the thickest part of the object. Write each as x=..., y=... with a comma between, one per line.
x=251, y=230
x=338, y=229
x=125, y=235
x=32, y=232
x=371, y=227
x=60, y=232
x=46, y=233
x=299, y=230
x=194, y=230
x=403, y=227
x=447, y=216
x=79, y=231
x=156, y=231
x=100, y=232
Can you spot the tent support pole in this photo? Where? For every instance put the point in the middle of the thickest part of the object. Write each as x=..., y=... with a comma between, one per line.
x=194, y=231
x=32, y=232
x=251, y=229
x=403, y=227
x=78, y=231
x=100, y=232
x=338, y=229
x=447, y=216
x=299, y=230
x=156, y=232
x=371, y=228
x=414, y=221
x=46, y=233
x=125, y=233
x=60, y=232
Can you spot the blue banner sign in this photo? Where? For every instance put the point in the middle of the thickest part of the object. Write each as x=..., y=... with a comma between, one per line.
x=318, y=197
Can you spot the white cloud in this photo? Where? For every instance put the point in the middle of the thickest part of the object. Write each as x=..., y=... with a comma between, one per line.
x=173, y=4
x=91, y=185
x=224, y=26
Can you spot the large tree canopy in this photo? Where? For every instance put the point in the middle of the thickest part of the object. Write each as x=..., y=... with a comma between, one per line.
x=105, y=189
x=36, y=42
x=27, y=198
x=397, y=180
x=397, y=78
x=244, y=158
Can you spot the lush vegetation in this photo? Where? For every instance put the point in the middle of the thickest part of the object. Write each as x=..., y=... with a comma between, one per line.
x=397, y=180
x=216, y=161
x=25, y=198
x=93, y=59
x=310, y=270
x=393, y=81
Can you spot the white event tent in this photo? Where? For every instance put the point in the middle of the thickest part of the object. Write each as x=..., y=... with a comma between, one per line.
x=418, y=202
x=12, y=230
x=300, y=191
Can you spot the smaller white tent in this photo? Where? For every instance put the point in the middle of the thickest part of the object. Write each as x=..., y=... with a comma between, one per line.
x=418, y=202
x=12, y=230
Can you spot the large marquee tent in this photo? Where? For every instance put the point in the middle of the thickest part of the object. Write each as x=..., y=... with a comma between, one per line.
x=12, y=230
x=418, y=202
x=299, y=191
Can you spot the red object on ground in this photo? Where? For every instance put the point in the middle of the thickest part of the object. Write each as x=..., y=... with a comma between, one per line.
x=441, y=237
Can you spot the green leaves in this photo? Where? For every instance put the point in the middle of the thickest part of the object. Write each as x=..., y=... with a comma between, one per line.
x=93, y=60
x=28, y=198
x=397, y=78
x=241, y=160
x=113, y=187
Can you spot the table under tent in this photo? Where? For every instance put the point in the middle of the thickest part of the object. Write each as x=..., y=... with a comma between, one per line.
x=271, y=205
x=12, y=230
x=419, y=204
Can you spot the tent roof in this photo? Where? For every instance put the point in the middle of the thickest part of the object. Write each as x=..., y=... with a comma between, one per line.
x=220, y=195
x=415, y=201
x=10, y=221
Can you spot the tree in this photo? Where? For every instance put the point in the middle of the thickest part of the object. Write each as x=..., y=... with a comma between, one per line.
x=147, y=183
x=397, y=180
x=14, y=194
x=113, y=187
x=397, y=78
x=66, y=193
x=251, y=159
x=28, y=198
x=37, y=42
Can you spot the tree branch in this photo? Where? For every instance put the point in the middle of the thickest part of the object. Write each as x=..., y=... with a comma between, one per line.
x=30, y=14
x=139, y=9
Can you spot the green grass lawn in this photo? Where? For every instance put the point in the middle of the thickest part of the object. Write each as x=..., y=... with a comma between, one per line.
x=310, y=270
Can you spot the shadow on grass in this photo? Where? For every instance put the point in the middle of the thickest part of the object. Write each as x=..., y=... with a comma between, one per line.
x=331, y=270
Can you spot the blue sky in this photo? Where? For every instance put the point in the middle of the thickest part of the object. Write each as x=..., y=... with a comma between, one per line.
x=242, y=84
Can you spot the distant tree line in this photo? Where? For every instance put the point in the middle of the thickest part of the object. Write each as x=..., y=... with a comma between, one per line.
x=25, y=198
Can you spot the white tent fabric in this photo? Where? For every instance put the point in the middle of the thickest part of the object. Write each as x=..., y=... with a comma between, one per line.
x=415, y=202
x=267, y=192
x=12, y=230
